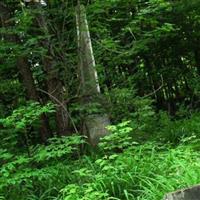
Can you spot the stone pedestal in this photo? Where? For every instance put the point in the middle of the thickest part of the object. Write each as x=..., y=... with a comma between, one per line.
x=192, y=193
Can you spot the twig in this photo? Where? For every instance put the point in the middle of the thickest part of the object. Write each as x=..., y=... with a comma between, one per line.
x=62, y=105
x=131, y=32
x=155, y=91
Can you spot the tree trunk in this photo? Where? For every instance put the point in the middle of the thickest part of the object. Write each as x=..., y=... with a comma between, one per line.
x=54, y=85
x=32, y=94
x=26, y=74
x=197, y=59
x=55, y=89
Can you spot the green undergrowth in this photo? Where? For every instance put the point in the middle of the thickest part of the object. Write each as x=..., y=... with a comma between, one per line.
x=122, y=169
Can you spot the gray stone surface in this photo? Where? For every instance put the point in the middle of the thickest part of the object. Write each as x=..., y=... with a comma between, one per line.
x=96, y=127
x=192, y=193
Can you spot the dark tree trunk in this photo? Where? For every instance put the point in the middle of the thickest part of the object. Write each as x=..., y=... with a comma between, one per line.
x=55, y=88
x=156, y=82
x=56, y=94
x=26, y=74
x=32, y=94
x=197, y=59
x=28, y=81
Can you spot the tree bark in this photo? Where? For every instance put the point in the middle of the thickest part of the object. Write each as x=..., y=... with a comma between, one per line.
x=197, y=59
x=32, y=94
x=55, y=88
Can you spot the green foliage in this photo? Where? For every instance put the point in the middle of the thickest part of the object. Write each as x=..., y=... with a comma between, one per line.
x=84, y=192
x=124, y=169
x=122, y=103
x=119, y=137
x=18, y=124
x=57, y=148
x=25, y=115
x=175, y=130
x=40, y=166
x=126, y=105
x=147, y=54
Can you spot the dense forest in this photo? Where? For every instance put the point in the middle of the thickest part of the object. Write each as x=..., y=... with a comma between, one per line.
x=99, y=99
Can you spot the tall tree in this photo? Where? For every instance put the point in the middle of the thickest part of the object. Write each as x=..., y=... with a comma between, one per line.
x=55, y=87
x=25, y=72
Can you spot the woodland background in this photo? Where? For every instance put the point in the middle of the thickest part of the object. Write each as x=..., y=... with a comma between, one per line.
x=147, y=55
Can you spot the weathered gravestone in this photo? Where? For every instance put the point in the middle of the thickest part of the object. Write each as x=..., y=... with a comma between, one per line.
x=192, y=193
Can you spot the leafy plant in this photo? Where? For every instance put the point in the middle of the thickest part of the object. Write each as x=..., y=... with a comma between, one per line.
x=119, y=138
x=26, y=115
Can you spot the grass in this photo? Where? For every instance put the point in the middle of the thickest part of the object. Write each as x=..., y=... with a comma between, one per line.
x=141, y=172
